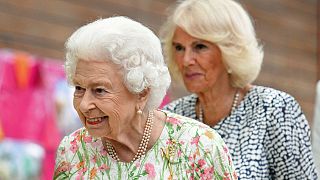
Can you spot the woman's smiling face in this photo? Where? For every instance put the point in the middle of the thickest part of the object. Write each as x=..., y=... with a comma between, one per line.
x=104, y=104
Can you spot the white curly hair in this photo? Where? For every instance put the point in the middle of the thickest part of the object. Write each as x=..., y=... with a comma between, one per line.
x=127, y=43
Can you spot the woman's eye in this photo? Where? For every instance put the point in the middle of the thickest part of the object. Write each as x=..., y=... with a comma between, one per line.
x=178, y=48
x=200, y=46
x=100, y=91
x=79, y=90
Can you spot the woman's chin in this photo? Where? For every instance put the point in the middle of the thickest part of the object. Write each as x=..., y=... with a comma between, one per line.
x=193, y=89
x=97, y=134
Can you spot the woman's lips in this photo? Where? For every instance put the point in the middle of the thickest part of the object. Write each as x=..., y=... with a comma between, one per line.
x=95, y=121
x=192, y=75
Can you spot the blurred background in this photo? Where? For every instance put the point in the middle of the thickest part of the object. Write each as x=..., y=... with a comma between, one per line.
x=35, y=102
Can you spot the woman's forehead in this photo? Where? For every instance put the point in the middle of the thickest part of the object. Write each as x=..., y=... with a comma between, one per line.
x=96, y=72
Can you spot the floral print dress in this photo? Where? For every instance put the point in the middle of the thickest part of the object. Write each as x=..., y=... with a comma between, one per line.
x=186, y=149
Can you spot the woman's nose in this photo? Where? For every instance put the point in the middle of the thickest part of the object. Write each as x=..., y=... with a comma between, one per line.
x=87, y=102
x=189, y=58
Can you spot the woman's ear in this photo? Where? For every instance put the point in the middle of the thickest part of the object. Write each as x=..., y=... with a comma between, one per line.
x=143, y=95
x=142, y=99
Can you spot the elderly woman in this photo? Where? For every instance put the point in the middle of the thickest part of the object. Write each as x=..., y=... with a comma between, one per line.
x=120, y=78
x=211, y=45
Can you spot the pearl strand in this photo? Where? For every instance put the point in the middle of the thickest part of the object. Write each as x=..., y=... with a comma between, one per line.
x=143, y=143
x=233, y=107
x=235, y=101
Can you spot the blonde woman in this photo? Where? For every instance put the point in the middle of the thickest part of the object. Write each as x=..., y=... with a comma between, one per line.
x=211, y=46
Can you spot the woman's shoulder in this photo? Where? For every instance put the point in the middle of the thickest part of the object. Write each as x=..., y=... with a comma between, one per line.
x=79, y=133
x=190, y=129
x=177, y=119
x=270, y=96
x=277, y=106
x=199, y=143
x=76, y=136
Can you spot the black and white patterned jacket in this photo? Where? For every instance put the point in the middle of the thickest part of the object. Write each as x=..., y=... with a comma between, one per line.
x=267, y=134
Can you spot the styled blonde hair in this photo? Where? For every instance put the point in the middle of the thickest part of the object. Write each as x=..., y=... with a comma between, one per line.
x=128, y=44
x=224, y=23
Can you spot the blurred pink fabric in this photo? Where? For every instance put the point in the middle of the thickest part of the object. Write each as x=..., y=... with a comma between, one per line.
x=27, y=109
x=165, y=100
x=28, y=112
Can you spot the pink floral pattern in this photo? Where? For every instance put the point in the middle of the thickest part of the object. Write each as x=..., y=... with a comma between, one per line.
x=186, y=149
x=150, y=170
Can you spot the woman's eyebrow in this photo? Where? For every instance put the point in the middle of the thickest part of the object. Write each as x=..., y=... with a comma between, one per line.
x=101, y=82
x=76, y=81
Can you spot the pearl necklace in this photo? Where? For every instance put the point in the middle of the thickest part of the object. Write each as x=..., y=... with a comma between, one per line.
x=143, y=144
x=233, y=107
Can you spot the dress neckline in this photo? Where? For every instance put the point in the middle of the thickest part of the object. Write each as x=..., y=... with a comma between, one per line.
x=163, y=135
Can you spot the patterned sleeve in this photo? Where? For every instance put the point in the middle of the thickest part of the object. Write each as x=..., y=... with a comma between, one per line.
x=316, y=130
x=211, y=159
x=62, y=166
x=291, y=155
x=222, y=161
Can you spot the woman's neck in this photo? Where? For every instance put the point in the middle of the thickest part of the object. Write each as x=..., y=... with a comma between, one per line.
x=217, y=103
x=126, y=144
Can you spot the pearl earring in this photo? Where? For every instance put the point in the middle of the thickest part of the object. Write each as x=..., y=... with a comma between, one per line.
x=139, y=112
x=229, y=71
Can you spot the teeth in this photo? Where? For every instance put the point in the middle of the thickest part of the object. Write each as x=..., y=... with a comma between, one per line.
x=94, y=119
